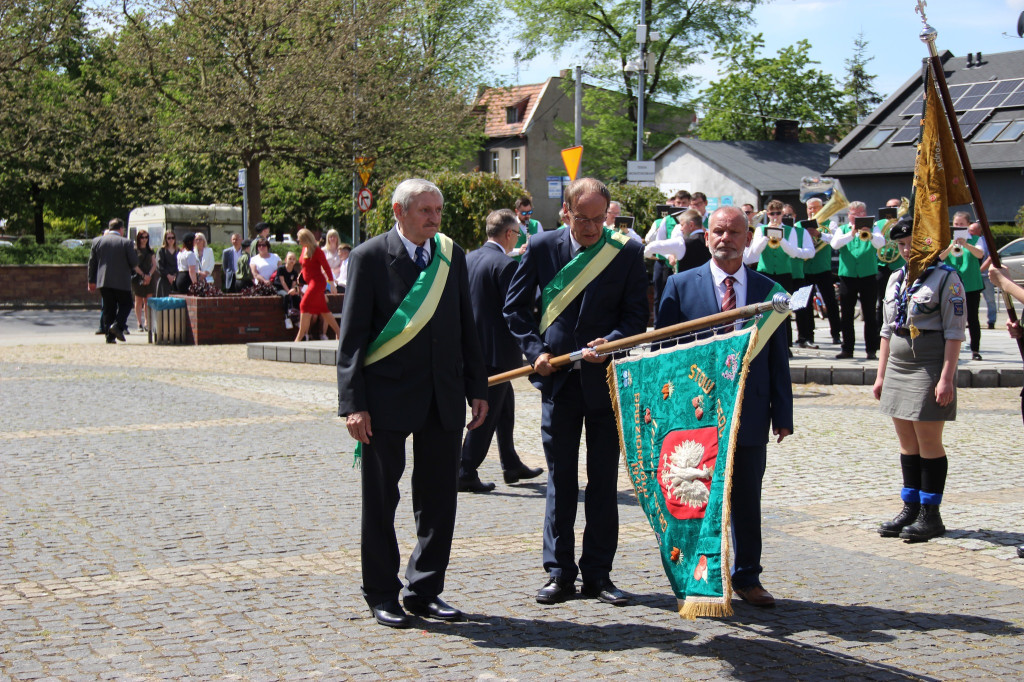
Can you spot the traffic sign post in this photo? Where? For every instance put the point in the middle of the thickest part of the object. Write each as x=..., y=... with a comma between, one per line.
x=571, y=158
x=640, y=172
x=365, y=166
x=364, y=199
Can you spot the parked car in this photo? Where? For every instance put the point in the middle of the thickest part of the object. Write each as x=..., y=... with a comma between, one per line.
x=4, y=242
x=75, y=243
x=1012, y=256
x=285, y=239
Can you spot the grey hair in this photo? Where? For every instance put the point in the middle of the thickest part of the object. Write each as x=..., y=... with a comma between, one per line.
x=499, y=221
x=857, y=204
x=616, y=203
x=408, y=190
x=734, y=213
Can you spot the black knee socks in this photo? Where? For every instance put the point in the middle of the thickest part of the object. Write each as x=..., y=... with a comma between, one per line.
x=911, y=467
x=933, y=479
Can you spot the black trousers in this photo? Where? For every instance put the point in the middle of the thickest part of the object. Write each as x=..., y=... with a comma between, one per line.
x=501, y=417
x=973, y=324
x=824, y=282
x=660, y=275
x=850, y=290
x=804, y=316
x=434, y=497
x=563, y=418
x=748, y=471
x=117, y=304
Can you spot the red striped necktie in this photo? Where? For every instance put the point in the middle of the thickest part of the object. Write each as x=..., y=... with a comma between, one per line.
x=729, y=297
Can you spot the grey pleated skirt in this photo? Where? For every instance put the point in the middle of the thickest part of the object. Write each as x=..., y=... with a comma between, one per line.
x=908, y=390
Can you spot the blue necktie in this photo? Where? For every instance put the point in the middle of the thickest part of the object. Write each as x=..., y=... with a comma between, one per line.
x=421, y=257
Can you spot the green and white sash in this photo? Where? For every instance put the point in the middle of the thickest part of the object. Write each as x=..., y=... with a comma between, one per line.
x=768, y=322
x=573, y=278
x=418, y=306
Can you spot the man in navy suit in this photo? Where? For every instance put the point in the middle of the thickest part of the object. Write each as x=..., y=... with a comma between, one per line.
x=724, y=282
x=416, y=383
x=490, y=272
x=593, y=290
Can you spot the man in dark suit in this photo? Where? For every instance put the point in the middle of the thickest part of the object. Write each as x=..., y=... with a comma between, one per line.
x=725, y=283
x=229, y=262
x=411, y=377
x=490, y=271
x=111, y=262
x=594, y=290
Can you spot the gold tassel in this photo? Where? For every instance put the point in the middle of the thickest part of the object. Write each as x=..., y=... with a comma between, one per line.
x=704, y=608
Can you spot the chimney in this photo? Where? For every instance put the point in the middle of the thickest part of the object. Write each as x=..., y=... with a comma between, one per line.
x=565, y=74
x=977, y=59
x=970, y=60
x=787, y=131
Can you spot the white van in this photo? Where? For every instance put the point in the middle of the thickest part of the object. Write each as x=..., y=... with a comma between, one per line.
x=216, y=221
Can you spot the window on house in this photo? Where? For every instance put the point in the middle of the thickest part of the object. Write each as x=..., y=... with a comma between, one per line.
x=515, y=163
x=512, y=115
x=876, y=140
x=1012, y=132
x=990, y=131
x=494, y=162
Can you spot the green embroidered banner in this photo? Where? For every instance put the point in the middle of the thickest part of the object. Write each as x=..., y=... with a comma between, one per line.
x=678, y=412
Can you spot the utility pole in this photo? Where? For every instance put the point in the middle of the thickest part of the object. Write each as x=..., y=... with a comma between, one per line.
x=641, y=81
x=579, y=106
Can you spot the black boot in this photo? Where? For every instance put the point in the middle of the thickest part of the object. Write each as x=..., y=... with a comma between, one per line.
x=928, y=525
x=891, y=529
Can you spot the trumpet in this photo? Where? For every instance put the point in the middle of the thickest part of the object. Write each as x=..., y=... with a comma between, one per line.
x=958, y=250
x=774, y=242
x=864, y=235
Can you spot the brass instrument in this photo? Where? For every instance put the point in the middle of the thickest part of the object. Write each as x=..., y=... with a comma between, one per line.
x=836, y=203
x=864, y=235
x=775, y=238
x=958, y=250
x=889, y=252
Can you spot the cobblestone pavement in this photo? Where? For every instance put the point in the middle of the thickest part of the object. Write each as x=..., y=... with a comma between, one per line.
x=187, y=513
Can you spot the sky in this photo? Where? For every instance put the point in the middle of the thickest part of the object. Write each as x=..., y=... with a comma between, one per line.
x=890, y=27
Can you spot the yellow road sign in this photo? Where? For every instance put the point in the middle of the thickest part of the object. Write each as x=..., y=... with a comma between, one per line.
x=364, y=164
x=571, y=158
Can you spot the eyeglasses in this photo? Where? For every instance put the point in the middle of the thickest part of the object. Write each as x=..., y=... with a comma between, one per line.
x=171, y=239
x=774, y=212
x=748, y=212
x=598, y=220
x=530, y=212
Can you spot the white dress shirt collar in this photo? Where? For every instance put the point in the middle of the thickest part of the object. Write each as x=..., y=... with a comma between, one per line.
x=411, y=247
x=739, y=284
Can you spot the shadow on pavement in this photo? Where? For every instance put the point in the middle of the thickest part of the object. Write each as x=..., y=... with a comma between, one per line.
x=997, y=538
x=757, y=656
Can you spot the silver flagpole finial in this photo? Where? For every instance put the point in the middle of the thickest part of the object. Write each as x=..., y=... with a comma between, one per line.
x=928, y=34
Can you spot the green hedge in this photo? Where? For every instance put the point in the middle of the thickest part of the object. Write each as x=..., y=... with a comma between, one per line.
x=26, y=252
x=468, y=199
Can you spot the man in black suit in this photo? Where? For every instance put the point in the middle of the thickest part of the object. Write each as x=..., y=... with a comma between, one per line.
x=594, y=290
x=685, y=249
x=725, y=283
x=112, y=260
x=490, y=271
x=408, y=360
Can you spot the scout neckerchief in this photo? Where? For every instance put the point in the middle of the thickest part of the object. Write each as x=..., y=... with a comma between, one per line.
x=904, y=294
x=413, y=313
x=573, y=278
x=417, y=307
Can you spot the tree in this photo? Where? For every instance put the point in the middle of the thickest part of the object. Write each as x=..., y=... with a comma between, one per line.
x=311, y=83
x=689, y=31
x=859, y=86
x=755, y=92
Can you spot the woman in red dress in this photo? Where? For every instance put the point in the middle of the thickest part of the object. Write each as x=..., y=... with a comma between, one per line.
x=316, y=273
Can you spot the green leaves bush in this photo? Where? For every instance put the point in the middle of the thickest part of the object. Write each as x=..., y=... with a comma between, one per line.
x=639, y=202
x=468, y=198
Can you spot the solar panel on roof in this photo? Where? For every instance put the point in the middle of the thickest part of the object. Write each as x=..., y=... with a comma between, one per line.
x=956, y=91
x=967, y=102
x=906, y=135
x=991, y=101
x=1006, y=87
x=914, y=107
x=974, y=116
x=1015, y=99
x=965, y=131
x=980, y=89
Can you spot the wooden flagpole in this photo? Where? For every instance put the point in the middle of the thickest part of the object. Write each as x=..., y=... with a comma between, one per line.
x=777, y=303
x=928, y=36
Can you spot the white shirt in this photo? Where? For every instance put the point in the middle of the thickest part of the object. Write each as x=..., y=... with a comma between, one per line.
x=666, y=247
x=411, y=248
x=739, y=285
x=206, y=263
x=790, y=245
x=334, y=261
x=266, y=267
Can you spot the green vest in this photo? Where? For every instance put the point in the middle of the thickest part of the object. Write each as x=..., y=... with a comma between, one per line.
x=775, y=261
x=858, y=258
x=820, y=261
x=533, y=227
x=969, y=267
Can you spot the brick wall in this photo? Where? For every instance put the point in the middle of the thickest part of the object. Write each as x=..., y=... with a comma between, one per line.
x=241, y=319
x=55, y=285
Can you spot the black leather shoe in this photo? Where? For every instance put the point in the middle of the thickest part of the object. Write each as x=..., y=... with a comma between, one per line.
x=803, y=343
x=872, y=355
x=390, y=614
x=432, y=608
x=836, y=341
x=1020, y=551
x=607, y=593
x=521, y=473
x=476, y=486
x=975, y=355
x=844, y=356
x=909, y=514
x=556, y=592
x=117, y=332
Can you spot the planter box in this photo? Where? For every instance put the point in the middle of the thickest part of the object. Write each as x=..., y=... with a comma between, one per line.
x=234, y=318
